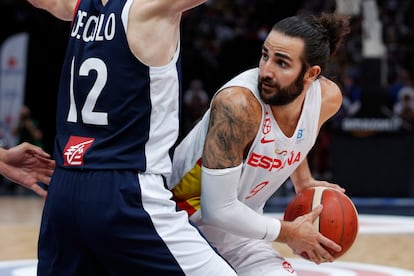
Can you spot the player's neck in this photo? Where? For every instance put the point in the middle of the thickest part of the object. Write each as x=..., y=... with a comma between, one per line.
x=287, y=116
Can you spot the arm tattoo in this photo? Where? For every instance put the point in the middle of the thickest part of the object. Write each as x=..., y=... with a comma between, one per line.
x=233, y=125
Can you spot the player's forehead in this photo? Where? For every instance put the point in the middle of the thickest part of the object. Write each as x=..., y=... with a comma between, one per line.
x=279, y=45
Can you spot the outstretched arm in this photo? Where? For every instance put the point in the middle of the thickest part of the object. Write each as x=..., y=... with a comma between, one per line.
x=178, y=6
x=62, y=9
x=27, y=165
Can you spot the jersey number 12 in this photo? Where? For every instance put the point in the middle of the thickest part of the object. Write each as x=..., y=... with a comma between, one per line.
x=87, y=114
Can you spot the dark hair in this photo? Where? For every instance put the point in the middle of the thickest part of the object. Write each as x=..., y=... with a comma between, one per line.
x=322, y=35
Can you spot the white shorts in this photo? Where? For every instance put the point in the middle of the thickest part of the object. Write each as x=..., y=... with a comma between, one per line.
x=249, y=257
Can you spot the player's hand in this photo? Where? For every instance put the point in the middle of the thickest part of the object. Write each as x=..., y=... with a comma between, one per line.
x=27, y=165
x=305, y=240
x=318, y=183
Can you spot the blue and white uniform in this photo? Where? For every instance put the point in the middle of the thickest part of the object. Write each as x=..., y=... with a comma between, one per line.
x=108, y=211
x=271, y=159
x=110, y=122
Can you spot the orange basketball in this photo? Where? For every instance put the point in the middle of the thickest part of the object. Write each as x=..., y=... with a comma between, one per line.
x=338, y=220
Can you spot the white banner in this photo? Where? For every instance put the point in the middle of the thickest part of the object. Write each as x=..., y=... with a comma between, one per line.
x=13, y=60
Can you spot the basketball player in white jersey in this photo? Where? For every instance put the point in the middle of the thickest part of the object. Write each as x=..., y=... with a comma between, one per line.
x=256, y=134
x=108, y=211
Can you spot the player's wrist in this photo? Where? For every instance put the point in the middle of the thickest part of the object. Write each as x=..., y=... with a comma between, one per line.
x=284, y=232
x=273, y=230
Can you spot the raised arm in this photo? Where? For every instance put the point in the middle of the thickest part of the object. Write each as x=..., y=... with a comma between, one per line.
x=62, y=9
x=153, y=29
x=177, y=6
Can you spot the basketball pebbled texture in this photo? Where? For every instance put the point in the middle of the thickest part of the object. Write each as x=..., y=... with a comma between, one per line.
x=338, y=220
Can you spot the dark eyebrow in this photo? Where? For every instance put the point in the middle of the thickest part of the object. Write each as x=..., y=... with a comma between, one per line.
x=283, y=56
x=279, y=55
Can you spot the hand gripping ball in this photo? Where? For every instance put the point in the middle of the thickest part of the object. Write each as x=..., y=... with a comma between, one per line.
x=338, y=220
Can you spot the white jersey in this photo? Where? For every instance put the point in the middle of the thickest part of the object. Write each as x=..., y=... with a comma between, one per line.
x=270, y=161
x=272, y=157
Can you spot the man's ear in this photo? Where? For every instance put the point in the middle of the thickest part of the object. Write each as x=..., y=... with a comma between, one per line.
x=313, y=73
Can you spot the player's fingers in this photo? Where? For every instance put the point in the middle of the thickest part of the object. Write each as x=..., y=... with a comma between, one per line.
x=337, y=187
x=42, y=175
x=44, y=179
x=327, y=243
x=38, y=190
x=314, y=257
x=47, y=161
x=324, y=255
x=332, y=186
x=31, y=178
x=33, y=149
x=48, y=171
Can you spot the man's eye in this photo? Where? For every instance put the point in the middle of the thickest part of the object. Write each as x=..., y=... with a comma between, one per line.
x=282, y=64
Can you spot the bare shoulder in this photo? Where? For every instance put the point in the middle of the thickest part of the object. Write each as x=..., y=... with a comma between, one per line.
x=239, y=103
x=331, y=98
x=329, y=88
x=237, y=96
x=234, y=121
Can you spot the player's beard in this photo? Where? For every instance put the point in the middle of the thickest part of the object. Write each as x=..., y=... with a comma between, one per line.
x=282, y=95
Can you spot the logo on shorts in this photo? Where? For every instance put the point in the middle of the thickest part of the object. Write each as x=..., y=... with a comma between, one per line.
x=288, y=267
x=75, y=150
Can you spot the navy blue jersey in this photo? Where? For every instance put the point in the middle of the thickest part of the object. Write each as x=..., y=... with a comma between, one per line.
x=114, y=112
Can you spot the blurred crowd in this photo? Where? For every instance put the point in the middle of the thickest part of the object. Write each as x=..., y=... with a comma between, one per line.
x=224, y=37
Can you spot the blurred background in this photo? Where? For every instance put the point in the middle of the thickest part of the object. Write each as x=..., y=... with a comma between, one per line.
x=368, y=147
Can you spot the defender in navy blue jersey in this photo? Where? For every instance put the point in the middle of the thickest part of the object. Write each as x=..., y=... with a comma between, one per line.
x=108, y=211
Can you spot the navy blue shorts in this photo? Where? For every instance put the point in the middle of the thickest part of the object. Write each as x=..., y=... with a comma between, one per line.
x=119, y=223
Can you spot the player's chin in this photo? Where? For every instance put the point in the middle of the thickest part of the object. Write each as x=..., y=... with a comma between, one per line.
x=267, y=95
